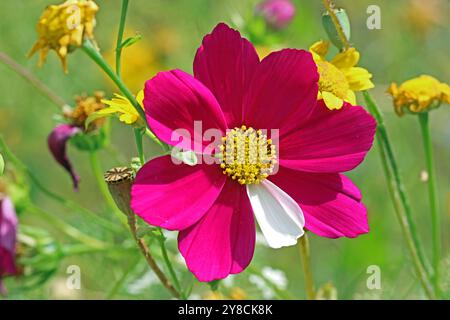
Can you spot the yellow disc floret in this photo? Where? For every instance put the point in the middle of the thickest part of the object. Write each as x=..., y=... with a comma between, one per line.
x=332, y=80
x=247, y=156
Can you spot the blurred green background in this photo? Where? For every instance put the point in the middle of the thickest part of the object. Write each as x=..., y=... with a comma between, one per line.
x=414, y=40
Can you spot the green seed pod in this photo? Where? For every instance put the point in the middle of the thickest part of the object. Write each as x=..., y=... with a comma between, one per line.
x=330, y=28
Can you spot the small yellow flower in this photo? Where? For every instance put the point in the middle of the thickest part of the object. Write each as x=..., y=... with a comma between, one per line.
x=419, y=94
x=63, y=28
x=339, y=78
x=120, y=106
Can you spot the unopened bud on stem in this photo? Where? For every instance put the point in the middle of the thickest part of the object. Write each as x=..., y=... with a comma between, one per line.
x=119, y=181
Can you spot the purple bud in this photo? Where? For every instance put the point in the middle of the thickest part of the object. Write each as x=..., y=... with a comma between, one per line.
x=8, y=238
x=57, y=142
x=277, y=13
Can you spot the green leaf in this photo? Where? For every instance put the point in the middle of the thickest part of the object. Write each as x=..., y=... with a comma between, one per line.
x=2, y=165
x=130, y=41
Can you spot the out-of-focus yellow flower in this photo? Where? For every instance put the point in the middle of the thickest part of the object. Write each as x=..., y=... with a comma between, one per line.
x=422, y=16
x=145, y=58
x=121, y=107
x=238, y=294
x=63, y=28
x=419, y=94
x=339, y=78
x=234, y=294
x=86, y=106
x=263, y=51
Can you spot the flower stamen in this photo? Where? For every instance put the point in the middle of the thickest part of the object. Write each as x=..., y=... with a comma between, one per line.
x=247, y=155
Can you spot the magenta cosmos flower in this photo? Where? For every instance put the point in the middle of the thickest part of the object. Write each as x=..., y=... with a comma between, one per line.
x=8, y=235
x=214, y=206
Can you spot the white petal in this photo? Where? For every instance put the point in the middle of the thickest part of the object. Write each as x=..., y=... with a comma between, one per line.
x=279, y=216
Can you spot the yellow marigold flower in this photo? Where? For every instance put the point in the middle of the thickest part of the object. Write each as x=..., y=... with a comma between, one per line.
x=339, y=78
x=419, y=94
x=86, y=106
x=120, y=106
x=63, y=28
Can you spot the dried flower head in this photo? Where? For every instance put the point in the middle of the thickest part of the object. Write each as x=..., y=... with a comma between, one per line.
x=63, y=28
x=85, y=106
x=419, y=94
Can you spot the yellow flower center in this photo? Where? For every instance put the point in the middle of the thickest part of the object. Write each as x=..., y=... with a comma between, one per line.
x=332, y=79
x=247, y=156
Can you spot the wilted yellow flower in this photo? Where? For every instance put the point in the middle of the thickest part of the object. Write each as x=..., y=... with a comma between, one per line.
x=120, y=106
x=339, y=78
x=419, y=94
x=63, y=28
x=86, y=106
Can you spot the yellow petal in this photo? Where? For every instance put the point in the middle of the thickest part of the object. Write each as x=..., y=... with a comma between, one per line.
x=140, y=98
x=128, y=118
x=351, y=97
x=347, y=59
x=320, y=48
x=331, y=101
x=358, y=79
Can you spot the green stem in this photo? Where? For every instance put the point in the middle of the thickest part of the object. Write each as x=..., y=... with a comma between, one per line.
x=398, y=196
x=153, y=137
x=123, y=17
x=61, y=200
x=305, y=253
x=93, y=53
x=66, y=228
x=169, y=266
x=33, y=80
x=329, y=6
x=98, y=174
x=139, y=146
x=149, y=258
x=433, y=195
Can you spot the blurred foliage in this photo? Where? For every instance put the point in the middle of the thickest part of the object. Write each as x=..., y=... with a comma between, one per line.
x=413, y=40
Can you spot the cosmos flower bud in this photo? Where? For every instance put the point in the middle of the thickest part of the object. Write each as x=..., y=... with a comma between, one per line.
x=419, y=94
x=57, y=144
x=119, y=181
x=278, y=14
x=64, y=27
x=88, y=138
x=330, y=28
x=8, y=237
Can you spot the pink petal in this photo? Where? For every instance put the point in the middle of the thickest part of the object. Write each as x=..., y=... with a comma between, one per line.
x=174, y=100
x=57, y=143
x=223, y=241
x=283, y=91
x=331, y=203
x=330, y=140
x=225, y=63
x=173, y=196
x=8, y=237
x=277, y=13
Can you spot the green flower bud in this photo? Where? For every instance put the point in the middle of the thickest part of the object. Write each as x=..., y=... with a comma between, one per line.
x=330, y=28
